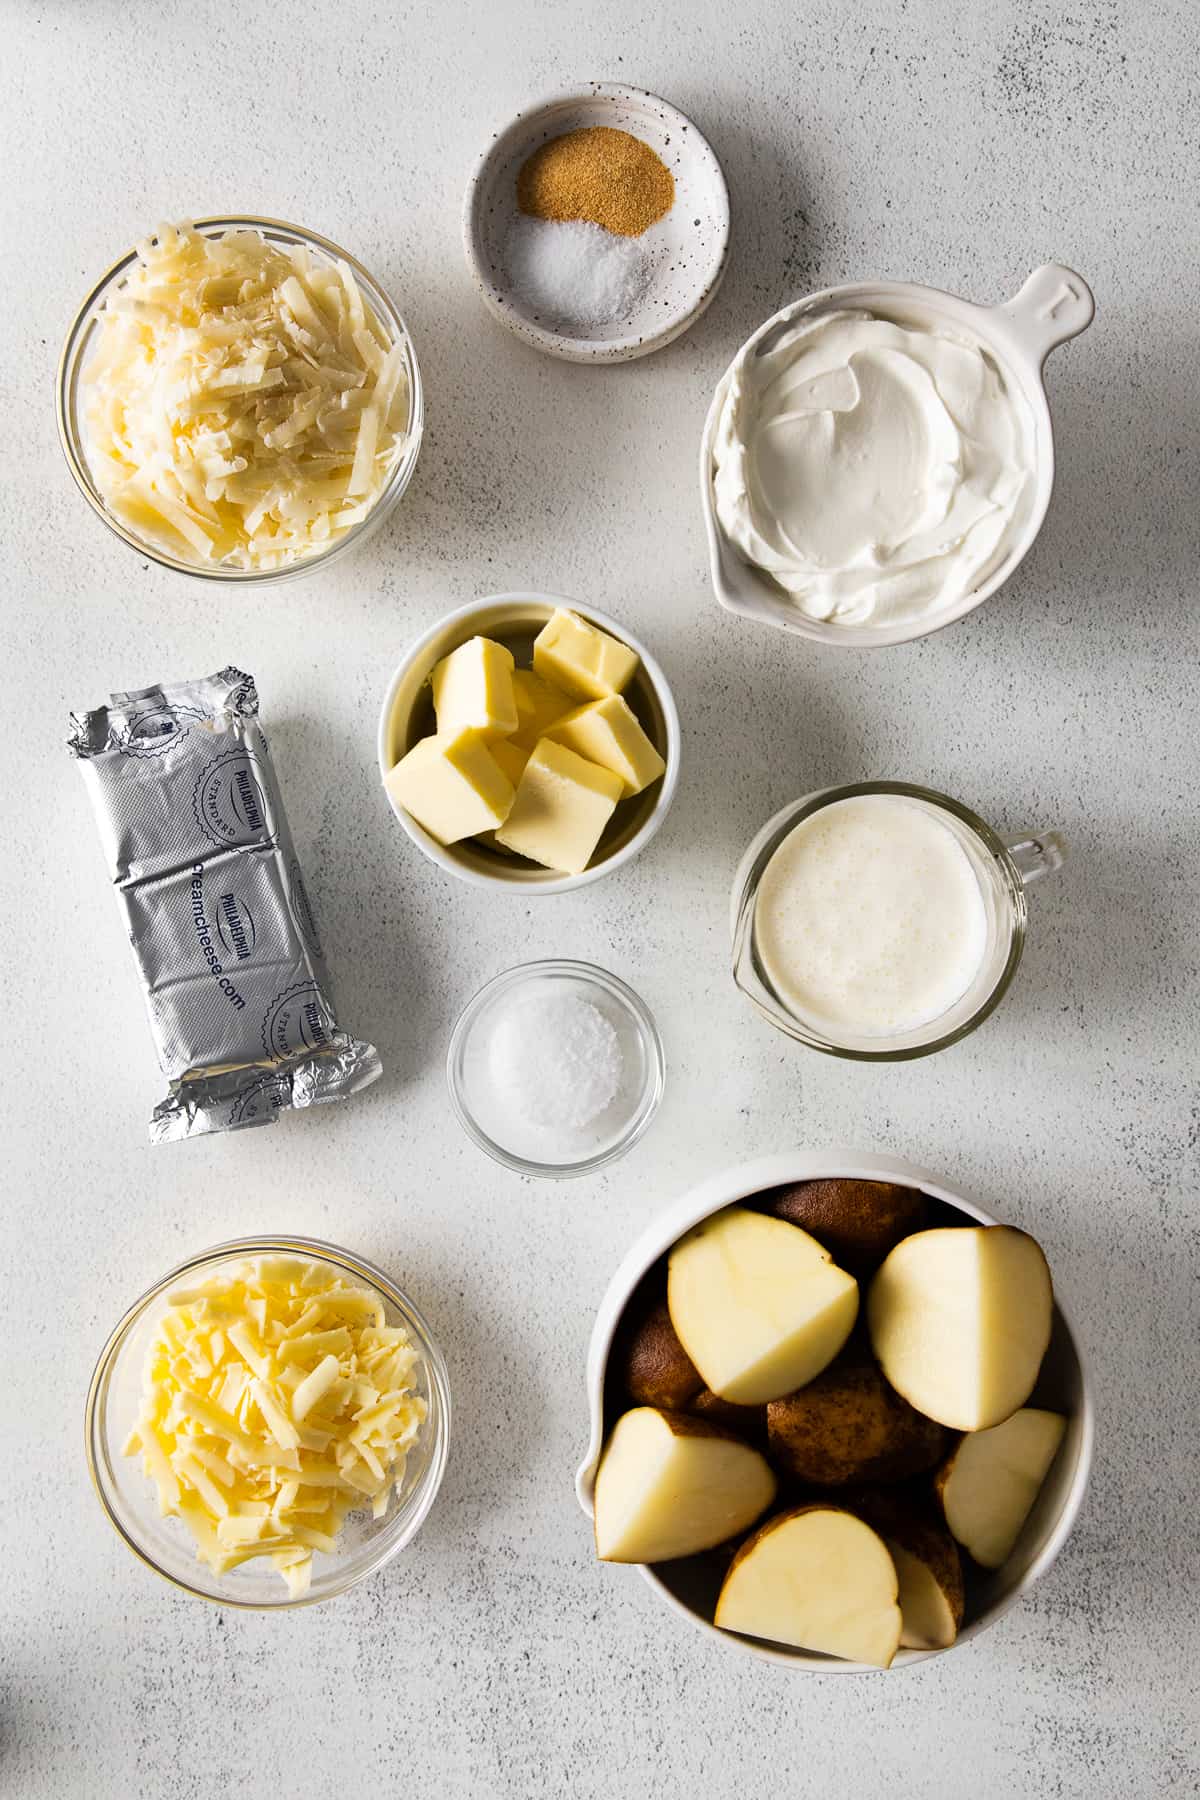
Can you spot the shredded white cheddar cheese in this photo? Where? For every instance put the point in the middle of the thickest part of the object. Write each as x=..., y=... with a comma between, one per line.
x=243, y=403
x=275, y=1401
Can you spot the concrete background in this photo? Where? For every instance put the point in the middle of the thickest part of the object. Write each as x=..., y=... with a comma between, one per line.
x=958, y=146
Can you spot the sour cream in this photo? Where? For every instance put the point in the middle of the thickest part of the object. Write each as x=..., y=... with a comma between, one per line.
x=876, y=471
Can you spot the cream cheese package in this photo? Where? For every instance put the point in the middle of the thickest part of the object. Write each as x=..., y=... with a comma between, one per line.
x=206, y=875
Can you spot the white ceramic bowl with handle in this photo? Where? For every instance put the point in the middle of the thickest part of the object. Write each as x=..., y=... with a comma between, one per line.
x=689, y=1585
x=1055, y=304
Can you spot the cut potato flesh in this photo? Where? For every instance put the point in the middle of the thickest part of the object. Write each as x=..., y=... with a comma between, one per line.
x=960, y=1320
x=670, y=1485
x=927, y=1616
x=819, y=1579
x=992, y=1480
x=758, y=1305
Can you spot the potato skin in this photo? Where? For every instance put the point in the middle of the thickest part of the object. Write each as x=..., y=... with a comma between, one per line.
x=653, y=1365
x=748, y=1422
x=858, y=1222
x=850, y=1425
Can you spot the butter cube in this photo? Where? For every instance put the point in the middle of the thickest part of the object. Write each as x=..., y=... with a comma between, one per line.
x=473, y=690
x=606, y=732
x=453, y=786
x=582, y=659
x=511, y=757
x=562, y=805
x=539, y=706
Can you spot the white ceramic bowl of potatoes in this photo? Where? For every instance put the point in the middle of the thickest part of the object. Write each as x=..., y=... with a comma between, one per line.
x=839, y=1418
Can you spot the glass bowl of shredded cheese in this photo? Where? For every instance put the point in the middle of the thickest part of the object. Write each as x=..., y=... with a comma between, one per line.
x=239, y=399
x=270, y=1423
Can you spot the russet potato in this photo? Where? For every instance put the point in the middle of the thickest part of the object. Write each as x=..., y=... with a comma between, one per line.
x=758, y=1305
x=990, y=1482
x=670, y=1485
x=849, y=1424
x=959, y=1320
x=653, y=1365
x=749, y=1422
x=858, y=1222
x=820, y=1579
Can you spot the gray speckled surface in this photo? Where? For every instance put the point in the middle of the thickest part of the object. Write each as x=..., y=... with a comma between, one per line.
x=958, y=146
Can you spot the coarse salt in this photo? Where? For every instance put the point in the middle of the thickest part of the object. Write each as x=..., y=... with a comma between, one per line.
x=575, y=275
x=555, y=1060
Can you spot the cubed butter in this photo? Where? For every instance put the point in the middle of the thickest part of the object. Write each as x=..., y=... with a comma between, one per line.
x=539, y=706
x=562, y=805
x=453, y=786
x=606, y=732
x=579, y=657
x=511, y=756
x=473, y=690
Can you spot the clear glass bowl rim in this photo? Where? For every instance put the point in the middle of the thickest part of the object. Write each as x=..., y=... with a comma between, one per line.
x=71, y=437
x=439, y=1381
x=583, y=971
x=787, y=819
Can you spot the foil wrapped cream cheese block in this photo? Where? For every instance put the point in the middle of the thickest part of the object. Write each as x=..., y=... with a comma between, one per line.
x=207, y=878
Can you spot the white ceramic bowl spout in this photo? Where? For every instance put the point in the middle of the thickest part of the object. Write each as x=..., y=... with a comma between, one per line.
x=1062, y=1385
x=1054, y=304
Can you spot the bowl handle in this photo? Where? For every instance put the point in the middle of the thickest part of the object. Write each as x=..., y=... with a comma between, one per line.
x=1055, y=304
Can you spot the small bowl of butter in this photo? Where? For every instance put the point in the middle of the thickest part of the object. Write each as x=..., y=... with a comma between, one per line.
x=878, y=457
x=526, y=741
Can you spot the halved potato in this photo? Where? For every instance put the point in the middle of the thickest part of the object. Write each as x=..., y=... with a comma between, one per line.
x=669, y=1485
x=960, y=1319
x=758, y=1304
x=992, y=1480
x=655, y=1367
x=857, y=1221
x=820, y=1579
x=848, y=1424
x=928, y=1569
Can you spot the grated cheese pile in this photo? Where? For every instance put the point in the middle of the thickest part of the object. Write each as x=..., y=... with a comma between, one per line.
x=242, y=404
x=275, y=1401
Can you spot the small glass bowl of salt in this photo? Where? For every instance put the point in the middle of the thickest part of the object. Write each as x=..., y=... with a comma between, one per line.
x=555, y=1068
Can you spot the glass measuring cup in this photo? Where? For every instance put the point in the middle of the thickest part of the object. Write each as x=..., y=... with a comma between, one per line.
x=1003, y=868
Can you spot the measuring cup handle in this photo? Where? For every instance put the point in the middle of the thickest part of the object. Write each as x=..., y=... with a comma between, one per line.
x=1036, y=854
x=1055, y=304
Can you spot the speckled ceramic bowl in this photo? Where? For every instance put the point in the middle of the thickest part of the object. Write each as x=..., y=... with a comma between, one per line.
x=688, y=247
